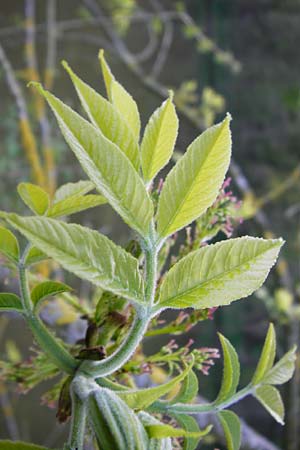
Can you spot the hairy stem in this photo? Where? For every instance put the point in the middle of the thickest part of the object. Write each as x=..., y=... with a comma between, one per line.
x=78, y=423
x=56, y=352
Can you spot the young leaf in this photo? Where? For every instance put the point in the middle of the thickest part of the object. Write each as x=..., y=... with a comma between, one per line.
x=87, y=253
x=270, y=399
x=232, y=429
x=106, y=117
x=189, y=389
x=75, y=204
x=9, y=245
x=121, y=99
x=231, y=371
x=105, y=164
x=10, y=445
x=163, y=431
x=155, y=444
x=76, y=189
x=10, y=302
x=159, y=139
x=34, y=197
x=190, y=425
x=219, y=274
x=283, y=369
x=267, y=357
x=193, y=184
x=46, y=289
x=142, y=398
x=34, y=256
x=114, y=423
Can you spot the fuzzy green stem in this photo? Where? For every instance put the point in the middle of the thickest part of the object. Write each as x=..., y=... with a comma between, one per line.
x=56, y=352
x=78, y=423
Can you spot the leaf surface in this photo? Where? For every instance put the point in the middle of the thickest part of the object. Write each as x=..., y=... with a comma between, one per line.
x=270, y=399
x=75, y=204
x=107, y=118
x=231, y=371
x=107, y=167
x=190, y=425
x=76, y=189
x=193, y=184
x=163, y=431
x=34, y=197
x=283, y=369
x=46, y=289
x=267, y=357
x=9, y=245
x=159, y=139
x=218, y=274
x=232, y=429
x=87, y=253
x=188, y=390
x=9, y=445
x=10, y=302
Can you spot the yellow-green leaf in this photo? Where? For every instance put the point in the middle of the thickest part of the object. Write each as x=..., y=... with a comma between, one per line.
x=267, y=357
x=121, y=99
x=9, y=445
x=75, y=204
x=76, y=189
x=193, y=184
x=46, y=289
x=107, y=118
x=270, y=399
x=232, y=429
x=9, y=245
x=159, y=139
x=231, y=371
x=218, y=274
x=34, y=256
x=162, y=431
x=142, y=398
x=34, y=197
x=188, y=390
x=109, y=169
x=10, y=302
x=191, y=426
x=283, y=369
x=87, y=253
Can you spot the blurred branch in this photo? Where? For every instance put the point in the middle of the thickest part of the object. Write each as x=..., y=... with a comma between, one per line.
x=51, y=44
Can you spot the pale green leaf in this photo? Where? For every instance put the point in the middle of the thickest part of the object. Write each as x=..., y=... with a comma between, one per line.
x=231, y=371
x=9, y=445
x=163, y=431
x=46, y=289
x=87, y=253
x=159, y=139
x=218, y=274
x=189, y=424
x=75, y=204
x=142, y=398
x=283, y=369
x=188, y=390
x=267, y=357
x=232, y=429
x=34, y=256
x=78, y=188
x=10, y=302
x=107, y=118
x=270, y=399
x=121, y=99
x=9, y=245
x=34, y=197
x=155, y=444
x=194, y=183
x=109, y=169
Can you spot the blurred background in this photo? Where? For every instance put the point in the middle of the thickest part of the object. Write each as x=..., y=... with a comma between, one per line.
x=240, y=56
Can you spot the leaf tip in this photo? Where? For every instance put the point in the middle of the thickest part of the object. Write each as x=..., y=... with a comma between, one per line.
x=171, y=94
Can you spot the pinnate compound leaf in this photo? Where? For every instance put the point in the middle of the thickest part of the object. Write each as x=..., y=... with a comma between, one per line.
x=218, y=274
x=142, y=398
x=10, y=302
x=34, y=197
x=121, y=99
x=76, y=189
x=231, y=371
x=114, y=423
x=9, y=245
x=46, y=289
x=75, y=204
x=16, y=445
x=188, y=390
x=193, y=184
x=159, y=139
x=107, y=167
x=189, y=424
x=232, y=429
x=283, y=369
x=87, y=253
x=267, y=357
x=107, y=118
x=270, y=399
